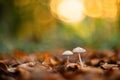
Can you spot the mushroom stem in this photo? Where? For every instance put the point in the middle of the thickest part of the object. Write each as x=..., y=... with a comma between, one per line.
x=68, y=59
x=81, y=63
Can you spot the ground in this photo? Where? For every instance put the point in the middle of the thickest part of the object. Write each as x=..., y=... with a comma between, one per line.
x=98, y=65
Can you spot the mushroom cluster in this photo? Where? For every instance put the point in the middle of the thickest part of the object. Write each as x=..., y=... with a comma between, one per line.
x=77, y=50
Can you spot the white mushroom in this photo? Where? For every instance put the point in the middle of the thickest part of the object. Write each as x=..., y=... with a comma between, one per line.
x=67, y=53
x=79, y=50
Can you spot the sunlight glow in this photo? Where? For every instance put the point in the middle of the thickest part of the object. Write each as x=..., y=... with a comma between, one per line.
x=69, y=11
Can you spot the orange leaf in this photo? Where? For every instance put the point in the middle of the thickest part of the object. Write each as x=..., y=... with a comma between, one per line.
x=18, y=54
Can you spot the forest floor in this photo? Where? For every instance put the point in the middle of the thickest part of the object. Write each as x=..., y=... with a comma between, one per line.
x=97, y=65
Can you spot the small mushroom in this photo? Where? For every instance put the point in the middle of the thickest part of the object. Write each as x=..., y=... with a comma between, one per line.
x=67, y=53
x=79, y=50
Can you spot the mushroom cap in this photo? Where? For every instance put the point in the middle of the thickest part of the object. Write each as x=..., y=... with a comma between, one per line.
x=67, y=53
x=79, y=50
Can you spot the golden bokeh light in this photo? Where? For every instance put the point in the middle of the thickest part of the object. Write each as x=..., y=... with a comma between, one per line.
x=100, y=8
x=69, y=11
x=93, y=8
x=109, y=8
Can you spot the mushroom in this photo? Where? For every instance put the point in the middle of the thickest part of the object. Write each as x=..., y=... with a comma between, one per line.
x=67, y=53
x=79, y=50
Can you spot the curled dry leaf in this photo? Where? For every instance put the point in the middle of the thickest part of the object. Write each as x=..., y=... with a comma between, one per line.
x=46, y=62
x=95, y=62
x=108, y=66
x=28, y=66
x=50, y=62
x=12, y=70
x=53, y=62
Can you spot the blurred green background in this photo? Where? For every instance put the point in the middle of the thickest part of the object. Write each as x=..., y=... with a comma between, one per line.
x=29, y=25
